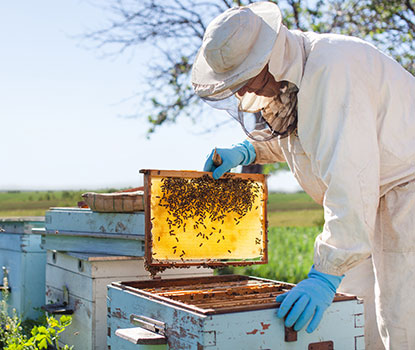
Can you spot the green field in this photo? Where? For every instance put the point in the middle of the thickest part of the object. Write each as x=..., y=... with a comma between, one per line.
x=35, y=203
x=291, y=201
x=290, y=255
x=294, y=220
x=296, y=209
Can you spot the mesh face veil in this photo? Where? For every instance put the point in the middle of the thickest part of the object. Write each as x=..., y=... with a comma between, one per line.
x=267, y=117
x=252, y=123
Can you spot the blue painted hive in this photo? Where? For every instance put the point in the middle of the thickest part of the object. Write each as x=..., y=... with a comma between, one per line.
x=23, y=264
x=221, y=312
x=87, y=231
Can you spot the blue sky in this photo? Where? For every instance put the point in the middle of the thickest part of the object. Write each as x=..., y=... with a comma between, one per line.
x=61, y=108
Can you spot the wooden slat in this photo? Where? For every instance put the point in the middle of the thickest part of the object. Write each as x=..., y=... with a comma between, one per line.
x=196, y=174
x=265, y=222
x=217, y=286
x=218, y=292
x=186, y=281
x=251, y=298
x=235, y=303
x=147, y=218
x=200, y=287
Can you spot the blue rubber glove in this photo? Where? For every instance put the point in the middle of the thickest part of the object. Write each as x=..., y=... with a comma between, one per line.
x=241, y=154
x=308, y=299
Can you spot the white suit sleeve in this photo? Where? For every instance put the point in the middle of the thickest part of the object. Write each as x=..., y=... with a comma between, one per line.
x=266, y=151
x=338, y=131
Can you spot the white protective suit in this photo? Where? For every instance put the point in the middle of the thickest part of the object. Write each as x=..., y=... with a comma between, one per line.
x=355, y=155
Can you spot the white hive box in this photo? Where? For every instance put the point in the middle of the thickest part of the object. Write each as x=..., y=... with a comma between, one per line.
x=220, y=313
x=22, y=261
x=88, y=250
x=86, y=276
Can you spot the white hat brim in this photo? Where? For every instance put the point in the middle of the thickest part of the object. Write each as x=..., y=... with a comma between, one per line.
x=207, y=83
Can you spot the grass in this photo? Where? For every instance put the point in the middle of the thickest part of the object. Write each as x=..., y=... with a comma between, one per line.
x=291, y=201
x=26, y=200
x=297, y=218
x=290, y=255
x=35, y=203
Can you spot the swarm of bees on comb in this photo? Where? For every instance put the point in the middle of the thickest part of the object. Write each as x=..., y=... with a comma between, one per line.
x=200, y=218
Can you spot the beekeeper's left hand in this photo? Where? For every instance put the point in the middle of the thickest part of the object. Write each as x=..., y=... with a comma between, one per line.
x=308, y=299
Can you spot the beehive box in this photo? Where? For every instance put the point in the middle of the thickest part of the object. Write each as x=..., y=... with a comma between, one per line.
x=85, y=276
x=83, y=230
x=86, y=251
x=221, y=312
x=24, y=263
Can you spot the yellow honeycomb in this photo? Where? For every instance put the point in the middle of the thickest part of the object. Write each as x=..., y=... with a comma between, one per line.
x=183, y=233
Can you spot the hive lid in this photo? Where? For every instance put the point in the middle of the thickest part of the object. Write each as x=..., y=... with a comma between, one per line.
x=194, y=220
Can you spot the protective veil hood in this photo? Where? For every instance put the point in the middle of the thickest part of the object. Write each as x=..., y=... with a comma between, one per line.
x=286, y=63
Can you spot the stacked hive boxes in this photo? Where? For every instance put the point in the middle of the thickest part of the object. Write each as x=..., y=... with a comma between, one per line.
x=23, y=265
x=86, y=251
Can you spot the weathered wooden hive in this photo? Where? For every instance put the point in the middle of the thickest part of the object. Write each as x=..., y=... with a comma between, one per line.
x=22, y=261
x=86, y=251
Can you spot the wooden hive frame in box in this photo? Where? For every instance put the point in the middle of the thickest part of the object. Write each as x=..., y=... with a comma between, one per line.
x=226, y=219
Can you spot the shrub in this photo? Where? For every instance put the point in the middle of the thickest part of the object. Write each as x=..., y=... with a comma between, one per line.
x=13, y=337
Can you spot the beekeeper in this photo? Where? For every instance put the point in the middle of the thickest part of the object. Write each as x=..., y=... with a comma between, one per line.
x=342, y=115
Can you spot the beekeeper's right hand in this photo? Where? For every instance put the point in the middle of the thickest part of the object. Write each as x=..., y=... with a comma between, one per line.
x=240, y=154
x=308, y=300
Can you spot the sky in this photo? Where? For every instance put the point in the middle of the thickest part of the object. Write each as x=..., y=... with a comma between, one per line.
x=62, y=108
